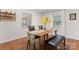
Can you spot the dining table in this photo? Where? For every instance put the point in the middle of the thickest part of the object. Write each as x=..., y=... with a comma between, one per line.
x=43, y=35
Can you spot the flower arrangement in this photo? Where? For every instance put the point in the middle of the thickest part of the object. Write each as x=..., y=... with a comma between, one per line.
x=44, y=21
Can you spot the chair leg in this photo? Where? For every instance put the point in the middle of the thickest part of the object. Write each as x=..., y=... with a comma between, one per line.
x=28, y=44
x=34, y=46
x=64, y=43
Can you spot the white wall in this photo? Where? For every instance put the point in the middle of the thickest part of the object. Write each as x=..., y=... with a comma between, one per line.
x=13, y=30
x=72, y=26
x=69, y=28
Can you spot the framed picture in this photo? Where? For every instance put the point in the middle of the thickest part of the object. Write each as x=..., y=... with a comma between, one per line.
x=72, y=16
x=7, y=15
x=26, y=20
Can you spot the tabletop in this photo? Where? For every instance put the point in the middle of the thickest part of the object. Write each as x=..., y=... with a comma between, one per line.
x=42, y=32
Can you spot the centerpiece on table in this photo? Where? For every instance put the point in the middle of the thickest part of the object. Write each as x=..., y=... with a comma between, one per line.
x=44, y=21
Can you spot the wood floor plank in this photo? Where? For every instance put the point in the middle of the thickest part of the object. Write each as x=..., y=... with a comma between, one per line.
x=21, y=44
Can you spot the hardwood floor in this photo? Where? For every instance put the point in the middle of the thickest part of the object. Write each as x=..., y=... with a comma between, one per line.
x=72, y=44
x=14, y=45
x=21, y=44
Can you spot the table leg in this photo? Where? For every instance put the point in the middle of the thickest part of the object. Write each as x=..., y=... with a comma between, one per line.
x=45, y=38
x=42, y=42
x=39, y=42
x=64, y=44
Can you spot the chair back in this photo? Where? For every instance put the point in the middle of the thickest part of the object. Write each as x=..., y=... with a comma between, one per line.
x=40, y=27
x=56, y=33
x=31, y=37
x=31, y=28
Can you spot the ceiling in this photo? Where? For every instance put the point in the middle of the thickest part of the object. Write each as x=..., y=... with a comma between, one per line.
x=46, y=10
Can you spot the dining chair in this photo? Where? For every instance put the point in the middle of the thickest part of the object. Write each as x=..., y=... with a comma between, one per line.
x=31, y=41
x=40, y=27
x=31, y=28
x=32, y=38
x=55, y=41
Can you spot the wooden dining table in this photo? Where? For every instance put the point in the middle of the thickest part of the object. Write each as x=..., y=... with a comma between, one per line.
x=42, y=32
x=43, y=35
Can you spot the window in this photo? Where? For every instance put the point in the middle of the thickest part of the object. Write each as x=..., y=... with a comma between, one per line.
x=56, y=21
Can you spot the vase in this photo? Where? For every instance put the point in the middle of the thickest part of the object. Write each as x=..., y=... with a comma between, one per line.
x=45, y=28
